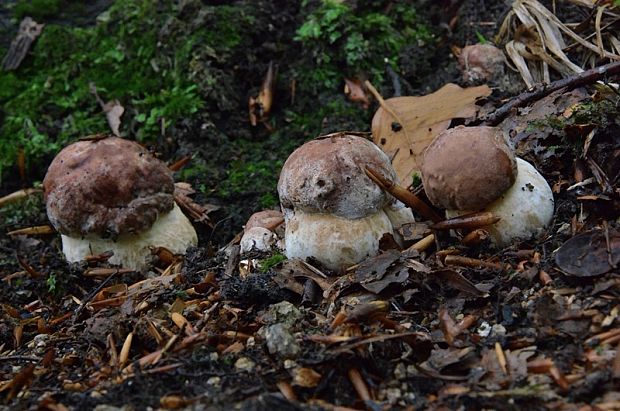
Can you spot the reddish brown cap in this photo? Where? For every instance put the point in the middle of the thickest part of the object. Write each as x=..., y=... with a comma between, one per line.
x=269, y=219
x=465, y=168
x=481, y=62
x=106, y=187
x=327, y=175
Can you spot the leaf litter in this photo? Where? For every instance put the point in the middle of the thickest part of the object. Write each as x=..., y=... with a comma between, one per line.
x=434, y=325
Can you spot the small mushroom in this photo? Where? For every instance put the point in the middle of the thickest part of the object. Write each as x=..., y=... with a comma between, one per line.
x=261, y=231
x=469, y=169
x=481, y=63
x=111, y=194
x=333, y=211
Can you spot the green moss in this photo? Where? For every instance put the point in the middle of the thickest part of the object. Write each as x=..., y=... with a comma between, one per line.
x=48, y=102
x=37, y=9
x=28, y=211
x=268, y=263
x=187, y=68
x=342, y=39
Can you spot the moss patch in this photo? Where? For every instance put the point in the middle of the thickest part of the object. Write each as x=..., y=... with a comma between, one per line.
x=184, y=74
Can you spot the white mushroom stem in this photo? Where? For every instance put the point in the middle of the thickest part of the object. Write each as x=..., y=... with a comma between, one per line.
x=399, y=215
x=171, y=230
x=335, y=241
x=525, y=209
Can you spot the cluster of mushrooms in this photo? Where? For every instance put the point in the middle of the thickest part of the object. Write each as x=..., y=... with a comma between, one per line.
x=335, y=213
x=111, y=195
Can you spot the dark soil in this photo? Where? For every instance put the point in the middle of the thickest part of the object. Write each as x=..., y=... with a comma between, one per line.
x=527, y=335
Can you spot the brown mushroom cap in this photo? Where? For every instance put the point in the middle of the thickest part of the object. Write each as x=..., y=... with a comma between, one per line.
x=327, y=176
x=106, y=187
x=269, y=219
x=465, y=168
x=481, y=62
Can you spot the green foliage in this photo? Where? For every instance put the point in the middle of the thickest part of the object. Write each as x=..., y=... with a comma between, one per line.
x=350, y=40
x=48, y=102
x=29, y=211
x=416, y=179
x=51, y=283
x=602, y=113
x=268, y=263
x=252, y=177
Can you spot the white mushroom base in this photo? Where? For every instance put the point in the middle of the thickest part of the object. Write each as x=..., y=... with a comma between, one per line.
x=257, y=238
x=335, y=241
x=171, y=230
x=525, y=209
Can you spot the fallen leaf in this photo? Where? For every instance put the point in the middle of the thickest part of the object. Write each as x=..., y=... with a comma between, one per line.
x=113, y=112
x=587, y=255
x=306, y=377
x=354, y=90
x=420, y=120
x=260, y=106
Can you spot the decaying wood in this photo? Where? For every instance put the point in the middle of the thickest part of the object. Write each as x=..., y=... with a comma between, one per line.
x=543, y=90
x=29, y=30
x=18, y=195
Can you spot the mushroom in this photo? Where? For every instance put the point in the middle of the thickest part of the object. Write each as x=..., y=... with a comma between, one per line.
x=469, y=169
x=110, y=194
x=333, y=211
x=260, y=231
x=481, y=63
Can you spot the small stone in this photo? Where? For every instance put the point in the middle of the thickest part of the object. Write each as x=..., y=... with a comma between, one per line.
x=280, y=341
x=393, y=395
x=214, y=381
x=498, y=330
x=244, y=364
x=284, y=313
x=400, y=372
x=289, y=364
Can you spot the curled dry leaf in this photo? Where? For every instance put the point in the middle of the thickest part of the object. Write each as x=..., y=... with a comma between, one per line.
x=354, y=90
x=420, y=120
x=113, y=111
x=260, y=107
x=306, y=377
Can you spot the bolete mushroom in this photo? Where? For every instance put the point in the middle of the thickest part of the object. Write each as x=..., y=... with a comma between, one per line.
x=333, y=211
x=468, y=169
x=481, y=63
x=259, y=232
x=111, y=194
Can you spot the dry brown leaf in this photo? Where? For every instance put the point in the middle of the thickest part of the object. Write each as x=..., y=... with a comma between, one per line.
x=354, y=90
x=420, y=120
x=306, y=377
x=113, y=112
x=260, y=107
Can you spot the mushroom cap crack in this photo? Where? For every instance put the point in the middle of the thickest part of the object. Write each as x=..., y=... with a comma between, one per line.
x=107, y=187
x=324, y=176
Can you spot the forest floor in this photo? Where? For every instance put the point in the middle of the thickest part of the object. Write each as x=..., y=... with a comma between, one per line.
x=533, y=325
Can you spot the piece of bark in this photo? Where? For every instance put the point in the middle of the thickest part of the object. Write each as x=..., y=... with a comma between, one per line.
x=29, y=30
